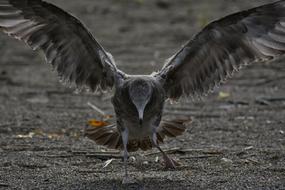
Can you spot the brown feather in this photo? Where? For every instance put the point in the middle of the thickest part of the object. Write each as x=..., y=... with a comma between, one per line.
x=110, y=137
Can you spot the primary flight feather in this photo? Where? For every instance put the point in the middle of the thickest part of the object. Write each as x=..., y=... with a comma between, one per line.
x=67, y=44
x=223, y=47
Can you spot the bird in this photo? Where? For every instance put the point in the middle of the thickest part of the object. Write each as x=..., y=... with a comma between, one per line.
x=211, y=57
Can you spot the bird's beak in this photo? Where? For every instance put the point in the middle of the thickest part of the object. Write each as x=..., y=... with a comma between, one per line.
x=140, y=109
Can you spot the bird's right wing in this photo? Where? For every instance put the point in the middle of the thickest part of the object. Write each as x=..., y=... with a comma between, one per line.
x=223, y=47
x=67, y=44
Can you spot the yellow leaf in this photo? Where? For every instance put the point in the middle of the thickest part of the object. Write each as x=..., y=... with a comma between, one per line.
x=223, y=95
x=96, y=123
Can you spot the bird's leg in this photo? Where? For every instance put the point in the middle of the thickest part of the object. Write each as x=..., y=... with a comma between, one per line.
x=125, y=137
x=169, y=163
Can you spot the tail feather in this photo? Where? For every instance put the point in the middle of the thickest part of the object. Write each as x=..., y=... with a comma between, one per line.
x=172, y=128
x=110, y=137
x=107, y=136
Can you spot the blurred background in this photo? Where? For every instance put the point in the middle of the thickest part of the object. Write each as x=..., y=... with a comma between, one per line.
x=236, y=139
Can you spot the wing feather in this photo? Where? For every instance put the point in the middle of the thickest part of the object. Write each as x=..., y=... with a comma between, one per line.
x=224, y=47
x=68, y=46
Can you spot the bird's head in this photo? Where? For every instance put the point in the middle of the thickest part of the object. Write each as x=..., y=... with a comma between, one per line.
x=140, y=92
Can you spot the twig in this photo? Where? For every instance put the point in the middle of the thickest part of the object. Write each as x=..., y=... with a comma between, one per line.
x=103, y=152
x=209, y=151
x=169, y=151
x=185, y=151
x=104, y=156
x=98, y=110
x=28, y=166
x=95, y=171
x=56, y=156
x=78, y=152
x=192, y=114
x=252, y=160
x=280, y=99
x=243, y=103
x=262, y=101
x=200, y=156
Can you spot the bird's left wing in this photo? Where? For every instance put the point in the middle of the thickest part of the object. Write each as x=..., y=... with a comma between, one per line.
x=224, y=46
x=67, y=44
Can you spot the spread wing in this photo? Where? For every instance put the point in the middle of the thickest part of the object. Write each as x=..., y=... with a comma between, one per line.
x=222, y=48
x=68, y=46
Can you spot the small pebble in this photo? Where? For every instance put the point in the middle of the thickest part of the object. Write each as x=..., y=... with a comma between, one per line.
x=132, y=159
x=156, y=159
x=248, y=148
x=145, y=163
x=227, y=160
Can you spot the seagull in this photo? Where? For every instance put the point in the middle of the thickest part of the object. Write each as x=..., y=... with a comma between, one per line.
x=211, y=57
